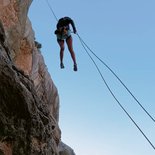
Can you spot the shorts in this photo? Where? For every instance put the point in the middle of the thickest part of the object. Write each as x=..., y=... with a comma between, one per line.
x=65, y=36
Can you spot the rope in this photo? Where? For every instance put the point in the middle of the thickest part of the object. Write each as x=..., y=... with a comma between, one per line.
x=118, y=80
x=111, y=92
x=51, y=10
x=84, y=46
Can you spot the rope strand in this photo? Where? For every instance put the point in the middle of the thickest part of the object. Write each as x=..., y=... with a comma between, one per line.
x=111, y=92
x=119, y=80
x=51, y=10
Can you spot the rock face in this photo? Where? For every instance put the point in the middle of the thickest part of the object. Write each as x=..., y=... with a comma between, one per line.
x=65, y=149
x=29, y=101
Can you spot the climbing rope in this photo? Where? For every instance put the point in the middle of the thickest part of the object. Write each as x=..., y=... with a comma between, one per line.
x=52, y=10
x=85, y=46
x=118, y=79
x=118, y=102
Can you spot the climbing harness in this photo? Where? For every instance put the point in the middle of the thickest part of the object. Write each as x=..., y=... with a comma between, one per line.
x=86, y=48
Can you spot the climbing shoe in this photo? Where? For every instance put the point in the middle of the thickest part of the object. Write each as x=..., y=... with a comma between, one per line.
x=75, y=67
x=62, y=65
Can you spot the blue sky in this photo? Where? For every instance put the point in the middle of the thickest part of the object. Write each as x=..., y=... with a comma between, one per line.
x=122, y=34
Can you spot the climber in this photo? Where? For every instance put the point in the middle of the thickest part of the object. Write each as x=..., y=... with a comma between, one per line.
x=63, y=32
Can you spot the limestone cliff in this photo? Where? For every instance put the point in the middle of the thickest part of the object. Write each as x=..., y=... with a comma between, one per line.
x=29, y=101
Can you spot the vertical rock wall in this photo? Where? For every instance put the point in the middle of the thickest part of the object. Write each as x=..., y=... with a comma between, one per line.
x=29, y=101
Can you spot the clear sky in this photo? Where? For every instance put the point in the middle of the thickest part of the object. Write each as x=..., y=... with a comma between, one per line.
x=122, y=34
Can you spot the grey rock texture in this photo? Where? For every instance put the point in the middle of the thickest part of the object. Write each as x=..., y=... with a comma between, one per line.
x=65, y=149
x=29, y=100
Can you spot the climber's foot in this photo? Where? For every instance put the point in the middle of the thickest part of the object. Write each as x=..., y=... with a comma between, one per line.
x=62, y=65
x=75, y=67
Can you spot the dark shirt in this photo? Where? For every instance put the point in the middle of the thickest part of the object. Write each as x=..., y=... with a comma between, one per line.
x=64, y=23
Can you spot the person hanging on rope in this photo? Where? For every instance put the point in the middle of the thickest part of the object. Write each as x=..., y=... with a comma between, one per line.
x=63, y=33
